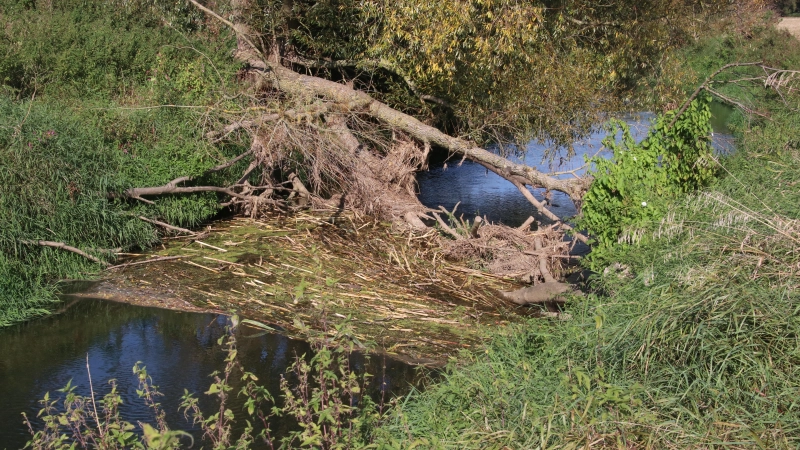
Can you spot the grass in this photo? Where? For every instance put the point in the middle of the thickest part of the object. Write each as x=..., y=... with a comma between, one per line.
x=699, y=349
x=77, y=84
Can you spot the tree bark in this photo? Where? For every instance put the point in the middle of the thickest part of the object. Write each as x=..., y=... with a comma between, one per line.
x=294, y=83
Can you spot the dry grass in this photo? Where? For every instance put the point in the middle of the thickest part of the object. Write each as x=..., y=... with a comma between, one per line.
x=399, y=290
x=790, y=24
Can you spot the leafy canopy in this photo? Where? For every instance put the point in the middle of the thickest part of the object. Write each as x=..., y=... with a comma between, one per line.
x=507, y=70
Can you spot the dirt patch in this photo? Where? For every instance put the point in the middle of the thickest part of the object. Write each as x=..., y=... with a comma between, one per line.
x=396, y=290
x=790, y=24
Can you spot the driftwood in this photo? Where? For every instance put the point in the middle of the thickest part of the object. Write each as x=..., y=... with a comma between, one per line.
x=167, y=226
x=537, y=294
x=148, y=261
x=547, y=291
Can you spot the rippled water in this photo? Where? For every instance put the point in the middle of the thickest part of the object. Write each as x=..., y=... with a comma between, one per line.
x=179, y=349
x=485, y=193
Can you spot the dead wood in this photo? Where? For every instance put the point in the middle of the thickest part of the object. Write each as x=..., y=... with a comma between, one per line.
x=273, y=76
x=544, y=292
x=341, y=147
x=510, y=252
x=136, y=263
x=286, y=80
x=69, y=248
x=446, y=228
x=167, y=226
x=526, y=226
x=537, y=294
x=476, y=226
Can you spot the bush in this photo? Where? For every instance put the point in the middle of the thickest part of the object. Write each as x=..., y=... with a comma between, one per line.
x=633, y=187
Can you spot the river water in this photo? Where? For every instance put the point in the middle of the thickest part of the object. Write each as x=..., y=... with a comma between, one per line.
x=179, y=349
x=485, y=193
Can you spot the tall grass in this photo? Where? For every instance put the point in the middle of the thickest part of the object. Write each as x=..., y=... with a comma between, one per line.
x=699, y=349
x=80, y=89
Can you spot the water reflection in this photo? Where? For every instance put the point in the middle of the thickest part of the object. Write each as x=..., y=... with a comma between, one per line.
x=485, y=193
x=179, y=349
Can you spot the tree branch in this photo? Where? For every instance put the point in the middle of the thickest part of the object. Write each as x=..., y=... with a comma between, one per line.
x=69, y=248
x=372, y=64
x=167, y=226
x=172, y=186
x=704, y=85
x=304, y=86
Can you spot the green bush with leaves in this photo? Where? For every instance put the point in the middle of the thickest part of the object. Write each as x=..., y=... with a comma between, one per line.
x=635, y=185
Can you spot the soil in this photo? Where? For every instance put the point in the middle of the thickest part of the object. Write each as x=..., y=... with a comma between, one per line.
x=791, y=24
x=396, y=291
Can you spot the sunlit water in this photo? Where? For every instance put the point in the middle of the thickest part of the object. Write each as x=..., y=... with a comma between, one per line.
x=484, y=193
x=179, y=349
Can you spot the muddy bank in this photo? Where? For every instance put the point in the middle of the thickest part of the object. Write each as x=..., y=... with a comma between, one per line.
x=319, y=270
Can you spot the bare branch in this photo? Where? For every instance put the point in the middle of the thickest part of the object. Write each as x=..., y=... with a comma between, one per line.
x=172, y=186
x=546, y=212
x=372, y=64
x=733, y=102
x=69, y=248
x=136, y=263
x=704, y=85
x=446, y=227
x=167, y=226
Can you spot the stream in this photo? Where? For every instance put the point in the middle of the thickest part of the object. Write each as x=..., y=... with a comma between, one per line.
x=179, y=349
x=485, y=193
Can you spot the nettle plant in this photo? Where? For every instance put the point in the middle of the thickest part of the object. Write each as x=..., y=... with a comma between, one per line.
x=634, y=187
x=326, y=401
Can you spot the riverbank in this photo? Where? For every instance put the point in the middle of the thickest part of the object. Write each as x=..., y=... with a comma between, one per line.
x=691, y=343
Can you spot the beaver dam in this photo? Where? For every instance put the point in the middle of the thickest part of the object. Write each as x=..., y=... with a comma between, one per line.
x=398, y=291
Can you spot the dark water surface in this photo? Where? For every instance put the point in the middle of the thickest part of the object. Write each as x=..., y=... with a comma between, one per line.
x=179, y=349
x=485, y=193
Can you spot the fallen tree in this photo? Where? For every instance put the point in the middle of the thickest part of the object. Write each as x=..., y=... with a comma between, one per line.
x=322, y=137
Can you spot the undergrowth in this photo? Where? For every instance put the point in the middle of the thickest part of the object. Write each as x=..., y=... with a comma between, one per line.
x=83, y=94
x=698, y=348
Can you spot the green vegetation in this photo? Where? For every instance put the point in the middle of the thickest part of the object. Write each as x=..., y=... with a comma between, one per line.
x=634, y=186
x=694, y=345
x=788, y=7
x=73, y=79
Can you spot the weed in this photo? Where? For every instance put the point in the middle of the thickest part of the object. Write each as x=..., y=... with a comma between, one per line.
x=326, y=399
